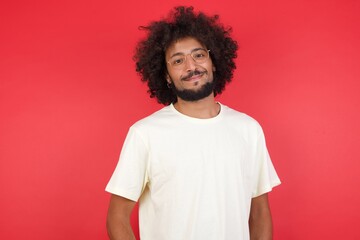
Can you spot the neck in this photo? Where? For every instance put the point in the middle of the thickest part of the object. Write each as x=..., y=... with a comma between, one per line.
x=203, y=108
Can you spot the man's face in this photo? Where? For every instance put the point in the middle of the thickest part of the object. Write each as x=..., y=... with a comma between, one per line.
x=191, y=80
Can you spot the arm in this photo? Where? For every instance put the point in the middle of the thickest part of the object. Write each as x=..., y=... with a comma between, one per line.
x=260, y=222
x=118, y=218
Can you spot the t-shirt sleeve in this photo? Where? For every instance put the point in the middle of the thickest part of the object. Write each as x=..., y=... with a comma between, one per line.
x=265, y=175
x=130, y=176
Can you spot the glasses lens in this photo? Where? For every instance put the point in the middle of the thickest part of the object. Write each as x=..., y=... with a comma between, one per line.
x=176, y=61
x=200, y=55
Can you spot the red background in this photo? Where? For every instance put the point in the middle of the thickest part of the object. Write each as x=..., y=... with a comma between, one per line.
x=69, y=92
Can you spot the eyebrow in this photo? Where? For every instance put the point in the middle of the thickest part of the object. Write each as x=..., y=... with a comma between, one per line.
x=181, y=53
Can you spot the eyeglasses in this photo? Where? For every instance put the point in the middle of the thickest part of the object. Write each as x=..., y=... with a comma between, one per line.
x=198, y=55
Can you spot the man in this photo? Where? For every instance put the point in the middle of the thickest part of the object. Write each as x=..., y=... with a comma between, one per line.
x=199, y=169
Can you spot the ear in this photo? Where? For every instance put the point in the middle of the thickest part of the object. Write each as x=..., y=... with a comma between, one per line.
x=168, y=79
x=214, y=68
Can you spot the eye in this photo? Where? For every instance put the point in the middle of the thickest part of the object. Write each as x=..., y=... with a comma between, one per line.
x=200, y=54
x=177, y=61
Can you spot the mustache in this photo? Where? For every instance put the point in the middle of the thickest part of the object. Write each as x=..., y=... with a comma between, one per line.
x=193, y=73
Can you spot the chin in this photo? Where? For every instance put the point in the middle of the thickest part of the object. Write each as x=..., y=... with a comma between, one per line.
x=197, y=94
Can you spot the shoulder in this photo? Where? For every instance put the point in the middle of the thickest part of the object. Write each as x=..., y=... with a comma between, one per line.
x=241, y=122
x=234, y=115
x=155, y=119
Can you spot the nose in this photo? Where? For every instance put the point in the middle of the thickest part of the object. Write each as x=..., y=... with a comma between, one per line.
x=189, y=62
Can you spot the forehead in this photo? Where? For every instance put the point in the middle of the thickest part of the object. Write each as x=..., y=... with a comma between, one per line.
x=184, y=46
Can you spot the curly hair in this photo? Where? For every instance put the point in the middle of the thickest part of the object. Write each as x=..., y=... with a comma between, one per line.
x=181, y=23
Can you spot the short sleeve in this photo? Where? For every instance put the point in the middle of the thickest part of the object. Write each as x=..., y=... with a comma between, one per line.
x=130, y=175
x=265, y=176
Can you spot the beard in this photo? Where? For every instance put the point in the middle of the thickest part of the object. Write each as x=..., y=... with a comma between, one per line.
x=194, y=95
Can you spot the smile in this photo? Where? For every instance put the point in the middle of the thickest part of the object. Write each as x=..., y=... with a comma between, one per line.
x=193, y=76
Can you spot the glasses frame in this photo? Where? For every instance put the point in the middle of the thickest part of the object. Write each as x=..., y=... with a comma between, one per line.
x=181, y=65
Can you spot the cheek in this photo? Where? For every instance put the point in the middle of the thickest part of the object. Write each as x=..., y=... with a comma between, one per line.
x=211, y=73
x=175, y=75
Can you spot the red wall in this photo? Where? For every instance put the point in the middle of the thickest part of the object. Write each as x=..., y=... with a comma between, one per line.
x=69, y=92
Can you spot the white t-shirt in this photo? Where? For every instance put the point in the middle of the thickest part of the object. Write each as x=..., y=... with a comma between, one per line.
x=194, y=178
